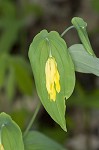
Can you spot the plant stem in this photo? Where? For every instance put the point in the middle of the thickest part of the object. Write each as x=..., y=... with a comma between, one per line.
x=64, y=32
x=32, y=119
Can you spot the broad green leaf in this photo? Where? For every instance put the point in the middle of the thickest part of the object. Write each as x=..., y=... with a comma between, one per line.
x=22, y=75
x=38, y=54
x=37, y=141
x=84, y=62
x=11, y=136
x=60, y=52
x=80, y=26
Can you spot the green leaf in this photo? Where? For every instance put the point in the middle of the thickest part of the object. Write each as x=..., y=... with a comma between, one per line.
x=9, y=35
x=33, y=9
x=11, y=136
x=66, y=66
x=89, y=100
x=10, y=84
x=7, y=9
x=84, y=62
x=38, y=54
x=37, y=141
x=22, y=75
x=3, y=68
x=95, y=4
x=80, y=26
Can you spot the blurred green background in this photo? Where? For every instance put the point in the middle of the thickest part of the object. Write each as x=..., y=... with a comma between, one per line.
x=20, y=21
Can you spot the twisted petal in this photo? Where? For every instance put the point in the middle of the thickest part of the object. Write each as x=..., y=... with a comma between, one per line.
x=1, y=147
x=52, y=93
x=57, y=77
x=52, y=78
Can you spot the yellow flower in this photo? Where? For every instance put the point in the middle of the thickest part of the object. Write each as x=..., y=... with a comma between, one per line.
x=1, y=147
x=52, y=78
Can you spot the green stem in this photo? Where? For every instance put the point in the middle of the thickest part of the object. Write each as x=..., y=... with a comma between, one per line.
x=32, y=119
x=64, y=32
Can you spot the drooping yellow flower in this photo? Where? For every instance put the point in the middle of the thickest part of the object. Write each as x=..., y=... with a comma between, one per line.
x=1, y=147
x=52, y=78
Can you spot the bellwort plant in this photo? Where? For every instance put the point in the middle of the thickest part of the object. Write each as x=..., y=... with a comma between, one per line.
x=53, y=65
